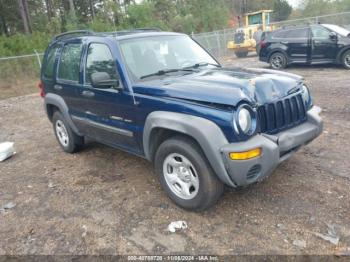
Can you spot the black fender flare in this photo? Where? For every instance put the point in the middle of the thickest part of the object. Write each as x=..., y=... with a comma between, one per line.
x=207, y=134
x=58, y=101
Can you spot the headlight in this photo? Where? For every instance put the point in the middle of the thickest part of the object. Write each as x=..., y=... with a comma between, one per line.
x=306, y=96
x=244, y=120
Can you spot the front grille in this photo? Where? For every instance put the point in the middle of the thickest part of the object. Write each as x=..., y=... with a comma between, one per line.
x=280, y=115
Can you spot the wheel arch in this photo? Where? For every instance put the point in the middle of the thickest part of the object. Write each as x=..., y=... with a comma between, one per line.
x=341, y=53
x=54, y=102
x=161, y=125
x=50, y=110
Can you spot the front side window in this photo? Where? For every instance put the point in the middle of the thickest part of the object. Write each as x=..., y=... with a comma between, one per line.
x=99, y=59
x=320, y=32
x=69, y=66
x=49, y=62
x=148, y=55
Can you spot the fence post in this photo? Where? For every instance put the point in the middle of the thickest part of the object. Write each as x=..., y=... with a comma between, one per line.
x=219, y=45
x=38, y=57
x=225, y=43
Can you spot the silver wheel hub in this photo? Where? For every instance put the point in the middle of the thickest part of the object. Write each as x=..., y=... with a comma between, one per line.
x=277, y=61
x=181, y=176
x=62, y=133
x=347, y=60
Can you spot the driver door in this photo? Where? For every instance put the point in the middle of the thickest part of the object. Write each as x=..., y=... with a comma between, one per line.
x=324, y=46
x=105, y=109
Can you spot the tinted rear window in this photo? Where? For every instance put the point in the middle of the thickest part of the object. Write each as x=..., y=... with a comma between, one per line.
x=297, y=33
x=292, y=33
x=70, y=62
x=279, y=34
x=49, y=62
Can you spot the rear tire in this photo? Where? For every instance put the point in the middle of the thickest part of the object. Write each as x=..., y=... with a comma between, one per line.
x=278, y=61
x=346, y=59
x=185, y=174
x=241, y=54
x=67, y=139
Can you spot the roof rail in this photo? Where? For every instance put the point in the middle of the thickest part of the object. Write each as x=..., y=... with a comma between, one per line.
x=69, y=34
x=137, y=30
x=73, y=33
x=156, y=29
x=295, y=26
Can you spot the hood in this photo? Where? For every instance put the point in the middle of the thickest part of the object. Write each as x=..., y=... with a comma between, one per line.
x=223, y=86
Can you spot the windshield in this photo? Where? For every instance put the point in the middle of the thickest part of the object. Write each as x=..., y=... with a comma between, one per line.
x=339, y=30
x=151, y=56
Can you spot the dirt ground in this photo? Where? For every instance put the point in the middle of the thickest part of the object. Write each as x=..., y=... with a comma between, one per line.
x=103, y=201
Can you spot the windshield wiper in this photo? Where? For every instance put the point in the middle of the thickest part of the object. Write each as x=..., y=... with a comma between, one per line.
x=163, y=72
x=201, y=64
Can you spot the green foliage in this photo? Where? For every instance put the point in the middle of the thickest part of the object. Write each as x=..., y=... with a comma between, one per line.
x=282, y=10
x=210, y=15
x=99, y=25
x=71, y=21
x=23, y=44
x=324, y=7
x=142, y=15
x=253, y=6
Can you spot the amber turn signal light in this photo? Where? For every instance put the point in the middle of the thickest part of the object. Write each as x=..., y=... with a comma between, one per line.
x=246, y=154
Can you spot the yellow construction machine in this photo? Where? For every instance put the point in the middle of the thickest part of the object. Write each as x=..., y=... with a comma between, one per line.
x=243, y=41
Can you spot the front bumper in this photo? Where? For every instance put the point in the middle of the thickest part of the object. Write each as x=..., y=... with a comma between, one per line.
x=275, y=149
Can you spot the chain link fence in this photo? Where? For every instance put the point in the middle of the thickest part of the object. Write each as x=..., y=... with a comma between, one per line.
x=216, y=42
x=19, y=75
x=341, y=19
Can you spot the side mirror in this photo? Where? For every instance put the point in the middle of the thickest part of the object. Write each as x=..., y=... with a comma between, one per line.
x=333, y=36
x=103, y=80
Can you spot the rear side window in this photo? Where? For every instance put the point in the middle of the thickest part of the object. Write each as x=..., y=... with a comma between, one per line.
x=69, y=66
x=297, y=33
x=279, y=34
x=49, y=62
x=100, y=59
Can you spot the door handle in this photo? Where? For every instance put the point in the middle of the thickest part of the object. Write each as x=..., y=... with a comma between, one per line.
x=58, y=87
x=88, y=94
x=317, y=42
x=284, y=42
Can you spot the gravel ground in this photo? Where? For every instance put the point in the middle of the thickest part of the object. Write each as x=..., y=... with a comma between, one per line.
x=105, y=201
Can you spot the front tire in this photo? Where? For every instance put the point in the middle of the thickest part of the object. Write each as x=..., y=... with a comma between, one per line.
x=185, y=174
x=67, y=139
x=278, y=60
x=346, y=59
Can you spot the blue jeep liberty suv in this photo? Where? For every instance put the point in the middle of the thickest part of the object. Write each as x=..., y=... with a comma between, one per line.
x=163, y=97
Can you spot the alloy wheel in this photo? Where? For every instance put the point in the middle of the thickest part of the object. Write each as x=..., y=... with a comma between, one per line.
x=347, y=60
x=277, y=61
x=62, y=133
x=181, y=176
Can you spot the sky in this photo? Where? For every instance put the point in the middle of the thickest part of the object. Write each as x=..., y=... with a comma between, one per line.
x=294, y=3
